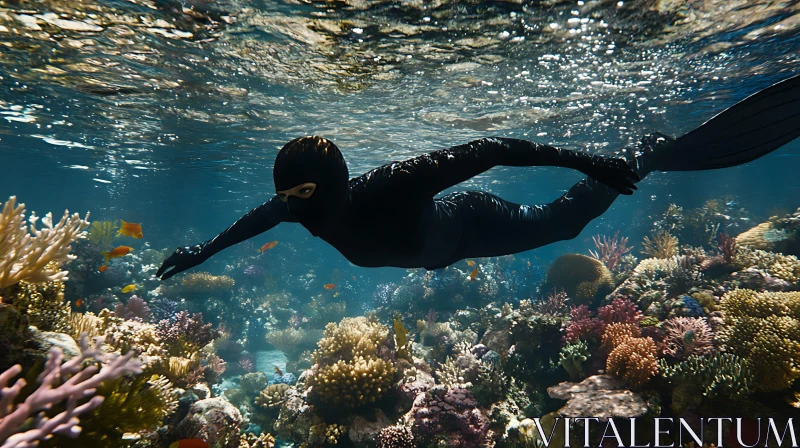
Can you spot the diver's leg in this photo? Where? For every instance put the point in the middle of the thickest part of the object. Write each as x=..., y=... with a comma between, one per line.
x=492, y=226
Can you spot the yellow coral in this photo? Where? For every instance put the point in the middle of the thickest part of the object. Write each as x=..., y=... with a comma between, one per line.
x=26, y=252
x=272, y=395
x=43, y=303
x=764, y=328
x=356, y=337
x=635, y=360
x=102, y=234
x=662, y=245
x=206, y=282
x=583, y=278
x=785, y=267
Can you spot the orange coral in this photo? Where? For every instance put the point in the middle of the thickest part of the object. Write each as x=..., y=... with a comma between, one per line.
x=634, y=360
x=616, y=333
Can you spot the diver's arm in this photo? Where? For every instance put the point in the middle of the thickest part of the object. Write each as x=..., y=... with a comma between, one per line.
x=256, y=221
x=431, y=173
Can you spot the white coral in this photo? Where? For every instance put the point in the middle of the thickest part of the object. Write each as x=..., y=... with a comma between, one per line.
x=25, y=252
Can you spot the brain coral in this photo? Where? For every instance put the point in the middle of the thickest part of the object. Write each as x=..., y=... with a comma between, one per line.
x=764, y=329
x=583, y=278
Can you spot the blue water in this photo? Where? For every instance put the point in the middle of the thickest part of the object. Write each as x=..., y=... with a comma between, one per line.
x=191, y=148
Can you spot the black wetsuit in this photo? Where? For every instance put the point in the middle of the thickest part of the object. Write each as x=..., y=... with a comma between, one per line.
x=390, y=216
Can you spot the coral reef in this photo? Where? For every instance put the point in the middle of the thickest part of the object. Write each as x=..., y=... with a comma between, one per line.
x=452, y=416
x=43, y=303
x=721, y=375
x=633, y=359
x=68, y=381
x=584, y=279
x=396, y=436
x=186, y=334
x=610, y=250
x=135, y=308
x=213, y=419
x=662, y=245
x=25, y=253
x=204, y=282
x=764, y=329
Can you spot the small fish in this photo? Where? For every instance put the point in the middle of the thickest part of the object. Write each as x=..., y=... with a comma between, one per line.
x=189, y=443
x=513, y=272
x=529, y=263
x=278, y=371
x=336, y=294
x=354, y=278
x=117, y=252
x=128, y=288
x=268, y=246
x=470, y=263
x=79, y=302
x=130, y=229
x=102, y=268
x=329, y=286
x=473, y=274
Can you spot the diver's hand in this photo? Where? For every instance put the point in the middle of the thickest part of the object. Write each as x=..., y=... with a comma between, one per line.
x=182, y=259
x=614, y=173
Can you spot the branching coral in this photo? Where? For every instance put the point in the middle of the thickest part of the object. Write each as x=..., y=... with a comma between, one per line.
x=396, y=436
x=764, y=329
x=186, y=334
x=722, y=375
x=452, y=414
x=136, y=308
x=26, y=252
x=784, y=267
x=619, y=310
x=610, y=250
x=616, y=333
x=572, y=357
x=349, y=370
x=687, y=336
x=583, y=278
x=251, y=440
x=58, y=382
x=662, y=245
x=582, y=325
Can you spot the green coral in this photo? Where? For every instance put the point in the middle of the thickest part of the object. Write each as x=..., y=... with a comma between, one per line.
x=649, y=321
x=722, y=375
x=764, y=329
x=348, y=371
x=401, y=339
x=584, y=279
x=572, y=357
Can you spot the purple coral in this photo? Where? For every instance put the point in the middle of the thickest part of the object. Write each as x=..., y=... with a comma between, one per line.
x=687, y=336
x=136, y=308
x=453, y=414
x=58, y=382
x=186, y=330
x=582, y=325
x=619, y=311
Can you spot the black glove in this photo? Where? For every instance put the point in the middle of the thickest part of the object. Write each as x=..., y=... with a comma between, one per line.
x=614, y=173
x=182, y=259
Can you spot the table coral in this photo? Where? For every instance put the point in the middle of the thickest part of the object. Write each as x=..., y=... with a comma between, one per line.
x=764, y=329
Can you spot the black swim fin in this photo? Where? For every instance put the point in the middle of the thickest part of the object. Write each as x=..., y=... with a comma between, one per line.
x=751, y=128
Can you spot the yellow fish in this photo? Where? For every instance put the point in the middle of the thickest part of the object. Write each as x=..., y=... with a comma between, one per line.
x=336, y=294
x=130, y=229
x=473, y=274
x=128, y=288
x=470, y=263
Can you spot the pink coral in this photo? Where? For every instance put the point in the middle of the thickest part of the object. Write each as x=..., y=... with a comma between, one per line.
x=136, y=308
x=582, y=325
x=619, y=311
x=58, y=382
x=687, y=336
x=610, y=250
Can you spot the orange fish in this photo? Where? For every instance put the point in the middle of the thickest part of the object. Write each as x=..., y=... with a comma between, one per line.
x=79, y=302
x=189, y=443
x=130, y=229
x=102, y=268
x=330, y=286
x=470, y=263
x=117, y=252
x=473, y=274
x=278, y=371
x=268, y=246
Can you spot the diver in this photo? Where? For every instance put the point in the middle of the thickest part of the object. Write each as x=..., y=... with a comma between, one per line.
x=391, y=216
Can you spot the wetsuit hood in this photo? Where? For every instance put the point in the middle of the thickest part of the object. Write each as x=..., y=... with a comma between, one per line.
x=318, y=160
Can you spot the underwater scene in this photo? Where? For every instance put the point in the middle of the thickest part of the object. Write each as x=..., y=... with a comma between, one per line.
x=399, y=223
